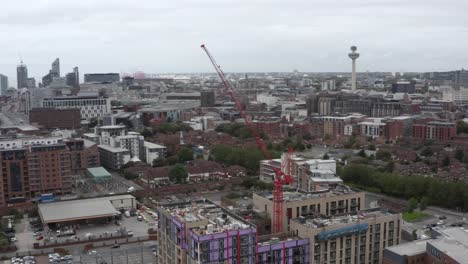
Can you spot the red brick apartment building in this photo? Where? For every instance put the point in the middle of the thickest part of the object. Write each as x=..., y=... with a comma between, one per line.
x=49, y=118
x=30, y=167
x=435, y=130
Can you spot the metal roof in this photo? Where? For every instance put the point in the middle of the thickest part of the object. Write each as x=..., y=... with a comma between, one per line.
x=99, y=172
x=65, y=211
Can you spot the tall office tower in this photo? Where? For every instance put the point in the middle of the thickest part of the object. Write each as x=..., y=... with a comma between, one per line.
x=3, y=84
x=56, y=68
x=73, y=78
x=22, y=75
x=77, y=76
x=353, y=56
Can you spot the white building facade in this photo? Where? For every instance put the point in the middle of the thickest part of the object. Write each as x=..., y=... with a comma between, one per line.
x=90, y=105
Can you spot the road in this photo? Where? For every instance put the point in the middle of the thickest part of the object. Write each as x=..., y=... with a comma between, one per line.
x=434, y=212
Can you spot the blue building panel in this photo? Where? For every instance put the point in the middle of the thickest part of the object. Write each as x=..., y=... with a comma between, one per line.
x=344, y=231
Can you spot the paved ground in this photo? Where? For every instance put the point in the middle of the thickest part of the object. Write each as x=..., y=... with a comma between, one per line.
x=132, y=254
x=26, y=238
x=87, y=187
x=25, y=235
x=433, y=212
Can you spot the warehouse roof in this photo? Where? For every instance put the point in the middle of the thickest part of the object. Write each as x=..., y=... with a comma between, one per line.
x=73, y=210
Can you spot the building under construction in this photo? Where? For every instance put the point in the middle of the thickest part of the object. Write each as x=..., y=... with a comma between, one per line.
x=203, y=232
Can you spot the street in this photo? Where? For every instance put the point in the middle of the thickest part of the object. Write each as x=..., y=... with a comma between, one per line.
x=452, y=216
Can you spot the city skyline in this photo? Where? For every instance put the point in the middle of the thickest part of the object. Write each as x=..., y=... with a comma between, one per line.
x=311, y=36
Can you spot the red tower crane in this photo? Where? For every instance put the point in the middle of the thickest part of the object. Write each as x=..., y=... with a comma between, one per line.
x=280, y=178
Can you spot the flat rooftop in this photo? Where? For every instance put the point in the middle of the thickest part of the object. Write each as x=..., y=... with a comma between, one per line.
x=301, y=196
x=113, y=150
x=152, y=145
x=453, y=242
x=206, y=213
x=320, y=221
x=73, y=210
x=409, y=249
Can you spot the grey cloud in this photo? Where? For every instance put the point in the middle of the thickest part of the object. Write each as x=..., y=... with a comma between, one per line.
x=245, y=35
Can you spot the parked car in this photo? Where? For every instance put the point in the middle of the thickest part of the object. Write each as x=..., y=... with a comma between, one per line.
x=13, y=239
x=442, y=217
x=140, y=218
x=39, y=237
x=116, y=246
x=38, y=229
x=127, y=214
x=38, y=233
x=441, y=222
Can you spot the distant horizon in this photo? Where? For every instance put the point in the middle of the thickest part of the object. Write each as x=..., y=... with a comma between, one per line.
x=39, y=80
x=243, y=35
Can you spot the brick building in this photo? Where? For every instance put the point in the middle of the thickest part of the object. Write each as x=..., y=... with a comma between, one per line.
x=84, y=154
x=435, y=130
x=49, y=118
x=30, y=167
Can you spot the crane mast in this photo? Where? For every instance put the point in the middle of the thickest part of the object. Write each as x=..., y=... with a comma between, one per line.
x=280, y=177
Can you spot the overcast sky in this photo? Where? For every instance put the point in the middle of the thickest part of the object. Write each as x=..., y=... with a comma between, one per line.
x=244, y=35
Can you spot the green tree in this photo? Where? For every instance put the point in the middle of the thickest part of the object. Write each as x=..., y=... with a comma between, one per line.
x=371, y=147
x=159, y=162
x=412, y=204
x=307, y=136
x=325, y=156
x=146, y=132
x=362, y=153
x=462, y=127
x=178, y=173
x=427, y=152
x=383, y=155
x=423, y=203
x=185, y=154
x=299, y=146
x=459, y=154
x=390, y=166
x=446, y=161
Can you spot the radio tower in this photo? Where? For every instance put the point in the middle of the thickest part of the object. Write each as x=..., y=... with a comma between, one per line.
x=353, y=55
